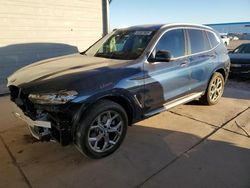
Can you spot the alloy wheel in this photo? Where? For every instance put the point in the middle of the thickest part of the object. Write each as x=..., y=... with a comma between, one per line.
x=105, y=131
x=216, y=89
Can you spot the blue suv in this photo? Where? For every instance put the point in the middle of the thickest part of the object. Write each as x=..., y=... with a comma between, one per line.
x=90, y=98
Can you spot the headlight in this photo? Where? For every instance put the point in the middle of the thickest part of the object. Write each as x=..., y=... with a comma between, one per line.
x=60, y=97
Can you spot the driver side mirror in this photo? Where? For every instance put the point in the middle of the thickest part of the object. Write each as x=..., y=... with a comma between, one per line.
x=161, y=56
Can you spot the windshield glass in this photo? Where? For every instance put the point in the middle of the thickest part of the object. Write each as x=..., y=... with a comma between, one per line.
x=245, y=48
x=122, y=44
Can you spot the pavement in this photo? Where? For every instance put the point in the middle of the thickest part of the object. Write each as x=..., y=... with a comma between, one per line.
x=192, y=145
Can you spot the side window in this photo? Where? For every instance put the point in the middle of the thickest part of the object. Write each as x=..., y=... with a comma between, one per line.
x=172, y=41
x=198, y=40
x=213, y=40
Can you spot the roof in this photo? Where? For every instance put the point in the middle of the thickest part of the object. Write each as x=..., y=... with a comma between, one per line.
x=154, y=27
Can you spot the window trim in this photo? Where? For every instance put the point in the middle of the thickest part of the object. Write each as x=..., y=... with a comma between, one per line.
x=185, y=28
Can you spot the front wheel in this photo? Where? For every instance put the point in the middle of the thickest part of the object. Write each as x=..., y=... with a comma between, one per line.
x=214, y=90
x=102, y=129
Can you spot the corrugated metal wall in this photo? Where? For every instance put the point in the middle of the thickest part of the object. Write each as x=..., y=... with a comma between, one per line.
x=31, y=30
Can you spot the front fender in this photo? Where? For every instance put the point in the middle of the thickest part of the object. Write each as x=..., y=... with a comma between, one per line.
x=87, y=101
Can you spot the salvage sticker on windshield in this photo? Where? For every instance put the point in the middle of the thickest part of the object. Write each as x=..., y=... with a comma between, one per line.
x=143, y=32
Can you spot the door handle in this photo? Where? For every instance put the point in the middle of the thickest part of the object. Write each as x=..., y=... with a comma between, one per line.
x=212, y=56
x=184, y=64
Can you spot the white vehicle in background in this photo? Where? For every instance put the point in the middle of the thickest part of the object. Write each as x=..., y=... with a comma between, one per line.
x=225, y=39
x=235, y=38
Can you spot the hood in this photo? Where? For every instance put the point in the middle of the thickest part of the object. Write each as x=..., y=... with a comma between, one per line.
x=239, y=58
x=57, y=72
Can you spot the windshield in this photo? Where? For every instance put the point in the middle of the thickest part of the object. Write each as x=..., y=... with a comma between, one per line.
x=244, y=49
x=122, y=44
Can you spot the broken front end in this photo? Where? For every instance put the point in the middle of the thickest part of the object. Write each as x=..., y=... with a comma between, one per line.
x=49, y=116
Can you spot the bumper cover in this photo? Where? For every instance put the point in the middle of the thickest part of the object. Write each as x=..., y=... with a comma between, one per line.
x=43, y=129
x=38, y=129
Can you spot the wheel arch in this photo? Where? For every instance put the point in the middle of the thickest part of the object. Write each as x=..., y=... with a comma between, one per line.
x=118, y=96
x=219, y=70
x=222, y=71
x=124, y=102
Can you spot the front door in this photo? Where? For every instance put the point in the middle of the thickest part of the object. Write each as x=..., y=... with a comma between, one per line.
x=165, y=81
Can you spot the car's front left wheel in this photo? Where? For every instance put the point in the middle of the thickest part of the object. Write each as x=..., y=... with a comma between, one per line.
x=102, y=129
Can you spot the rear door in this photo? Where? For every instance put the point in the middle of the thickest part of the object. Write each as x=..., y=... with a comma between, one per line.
x=165, y=81
x=201, y=59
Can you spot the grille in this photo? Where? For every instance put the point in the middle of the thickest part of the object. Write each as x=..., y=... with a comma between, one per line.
x=22, y=101
x=13, y=92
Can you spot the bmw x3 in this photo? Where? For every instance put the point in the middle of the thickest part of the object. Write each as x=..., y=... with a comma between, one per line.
x=89, y=99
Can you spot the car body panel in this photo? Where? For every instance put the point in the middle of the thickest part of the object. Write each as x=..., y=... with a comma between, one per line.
x=165, y=81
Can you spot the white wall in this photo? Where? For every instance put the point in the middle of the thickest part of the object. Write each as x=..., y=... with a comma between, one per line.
x=31, y=30
x=74, y=22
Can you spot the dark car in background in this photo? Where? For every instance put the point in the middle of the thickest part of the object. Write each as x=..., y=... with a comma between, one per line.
x=90, y=98
x=240, y=61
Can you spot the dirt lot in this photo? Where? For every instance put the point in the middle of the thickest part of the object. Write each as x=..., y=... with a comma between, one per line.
x=191, y=145
x=235, y=43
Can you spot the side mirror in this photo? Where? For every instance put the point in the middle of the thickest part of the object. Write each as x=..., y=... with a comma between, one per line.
x=161, y=56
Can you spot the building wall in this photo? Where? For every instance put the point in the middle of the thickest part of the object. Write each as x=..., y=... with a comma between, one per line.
x=241, y=27
x=32, y=30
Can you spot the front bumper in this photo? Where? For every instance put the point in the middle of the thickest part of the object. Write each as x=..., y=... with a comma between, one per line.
x=45, y=120
x=45, y=128
x=38, y=128
x=239, y=74
x=240, y=71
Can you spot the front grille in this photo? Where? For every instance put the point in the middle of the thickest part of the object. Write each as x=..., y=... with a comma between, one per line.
x=22, y=101
x=13, y=92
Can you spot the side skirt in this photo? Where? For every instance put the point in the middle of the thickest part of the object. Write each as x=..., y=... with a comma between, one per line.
x=174, y=103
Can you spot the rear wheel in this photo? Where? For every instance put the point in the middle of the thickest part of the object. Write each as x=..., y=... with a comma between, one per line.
x=214, y=90
x=102, y=129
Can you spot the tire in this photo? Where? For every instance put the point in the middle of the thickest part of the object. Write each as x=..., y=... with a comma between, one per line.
x=102, y=129
x=214, y=90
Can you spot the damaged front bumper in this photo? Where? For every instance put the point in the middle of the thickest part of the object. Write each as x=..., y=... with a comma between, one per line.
x=46, y=127
x=40, y=129
x=45, y=121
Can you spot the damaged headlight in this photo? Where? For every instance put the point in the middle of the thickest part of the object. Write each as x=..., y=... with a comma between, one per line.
x=60, y=97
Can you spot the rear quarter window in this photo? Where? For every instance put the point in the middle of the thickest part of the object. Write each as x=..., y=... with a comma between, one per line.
x=214, y=41
x=198, y=40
